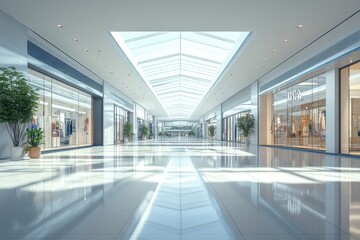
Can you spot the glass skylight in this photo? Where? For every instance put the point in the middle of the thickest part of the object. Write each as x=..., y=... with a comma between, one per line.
x=180, y=67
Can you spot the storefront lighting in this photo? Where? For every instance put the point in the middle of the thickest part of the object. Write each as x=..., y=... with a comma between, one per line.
x=303, y=94
x=63, y=108
x=43, y=103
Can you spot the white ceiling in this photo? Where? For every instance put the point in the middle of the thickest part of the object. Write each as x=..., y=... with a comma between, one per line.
x=271, y=22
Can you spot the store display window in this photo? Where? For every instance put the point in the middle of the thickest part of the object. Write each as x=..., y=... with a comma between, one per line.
x=64, y=112
x=295, y=116
x=350, y=109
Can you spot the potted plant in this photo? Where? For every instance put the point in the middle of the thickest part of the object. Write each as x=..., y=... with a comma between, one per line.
x=18, y=103
x=144, y=131
x=35, y=138
x=212, y=131
x=128, y=128
x=246, y=124
x=160, y=134
x=192, y=133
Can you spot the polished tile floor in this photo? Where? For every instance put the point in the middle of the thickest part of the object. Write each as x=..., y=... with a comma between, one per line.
x=181, y=189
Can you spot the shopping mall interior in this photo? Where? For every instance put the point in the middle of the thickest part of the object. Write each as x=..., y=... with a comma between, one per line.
x=142, y=104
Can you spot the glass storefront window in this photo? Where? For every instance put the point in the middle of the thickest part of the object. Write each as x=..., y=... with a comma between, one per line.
x=295, y=116
x=231, y=132
x=350, y=109
x=120, y=117
x=64, y=112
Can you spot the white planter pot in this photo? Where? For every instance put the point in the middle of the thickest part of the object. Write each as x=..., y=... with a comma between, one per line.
x=17, y=153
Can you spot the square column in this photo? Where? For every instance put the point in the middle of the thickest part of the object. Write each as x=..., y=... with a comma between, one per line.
x=332, y=111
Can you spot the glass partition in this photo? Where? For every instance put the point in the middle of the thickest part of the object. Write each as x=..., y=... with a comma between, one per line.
x=295, y=116
x=350, y=109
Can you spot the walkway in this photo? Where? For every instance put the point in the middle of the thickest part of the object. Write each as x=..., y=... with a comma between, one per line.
x=181, y=189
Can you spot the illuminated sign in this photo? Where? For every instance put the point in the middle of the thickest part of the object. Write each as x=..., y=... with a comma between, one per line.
x=294, y=96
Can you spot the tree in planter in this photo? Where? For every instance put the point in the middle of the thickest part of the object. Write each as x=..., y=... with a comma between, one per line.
x=18, y=103
x=144, y=131
x=246, y=124
x=128, y=128
x=212, y=131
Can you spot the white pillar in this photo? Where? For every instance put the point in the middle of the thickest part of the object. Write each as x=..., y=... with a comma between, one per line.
x=332, y=111
x=219, y=123
x=254, y=111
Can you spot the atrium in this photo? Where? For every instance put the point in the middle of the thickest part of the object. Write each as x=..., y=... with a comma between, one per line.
x=182, y=120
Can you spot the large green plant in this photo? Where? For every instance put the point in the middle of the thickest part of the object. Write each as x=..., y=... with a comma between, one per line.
x=212, y=131
x=35, y=137
x=18, y=103
x=128, y=128
x=246, y=124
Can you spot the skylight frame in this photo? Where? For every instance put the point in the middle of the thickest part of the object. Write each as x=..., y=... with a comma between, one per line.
x=201, y=58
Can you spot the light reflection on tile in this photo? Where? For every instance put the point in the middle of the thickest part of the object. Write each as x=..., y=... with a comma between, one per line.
x=191, y=189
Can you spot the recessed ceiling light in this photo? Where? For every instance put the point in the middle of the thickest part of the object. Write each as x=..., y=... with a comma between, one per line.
x=300, y=26
x=60, y=25
x=95, y=58
x=75, y=39
x=274, y=50
x=285, y=40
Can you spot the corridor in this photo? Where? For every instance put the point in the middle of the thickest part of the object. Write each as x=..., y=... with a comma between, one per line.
x=181, y=189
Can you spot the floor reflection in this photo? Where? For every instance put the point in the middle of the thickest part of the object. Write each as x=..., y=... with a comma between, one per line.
x=182, y=206
x=181, y=189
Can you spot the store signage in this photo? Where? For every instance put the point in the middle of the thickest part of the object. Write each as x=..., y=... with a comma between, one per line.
x=294, y=96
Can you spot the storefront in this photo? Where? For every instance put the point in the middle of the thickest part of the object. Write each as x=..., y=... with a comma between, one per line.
x=295, y=116
x=64, y=113
x=350, y=109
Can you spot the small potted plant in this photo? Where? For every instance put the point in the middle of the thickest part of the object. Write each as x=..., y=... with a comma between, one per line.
x=144, y=131
x=192, y=133
x=246, y=124
x=212, y=131
x=128, y=128
x=35, y=138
